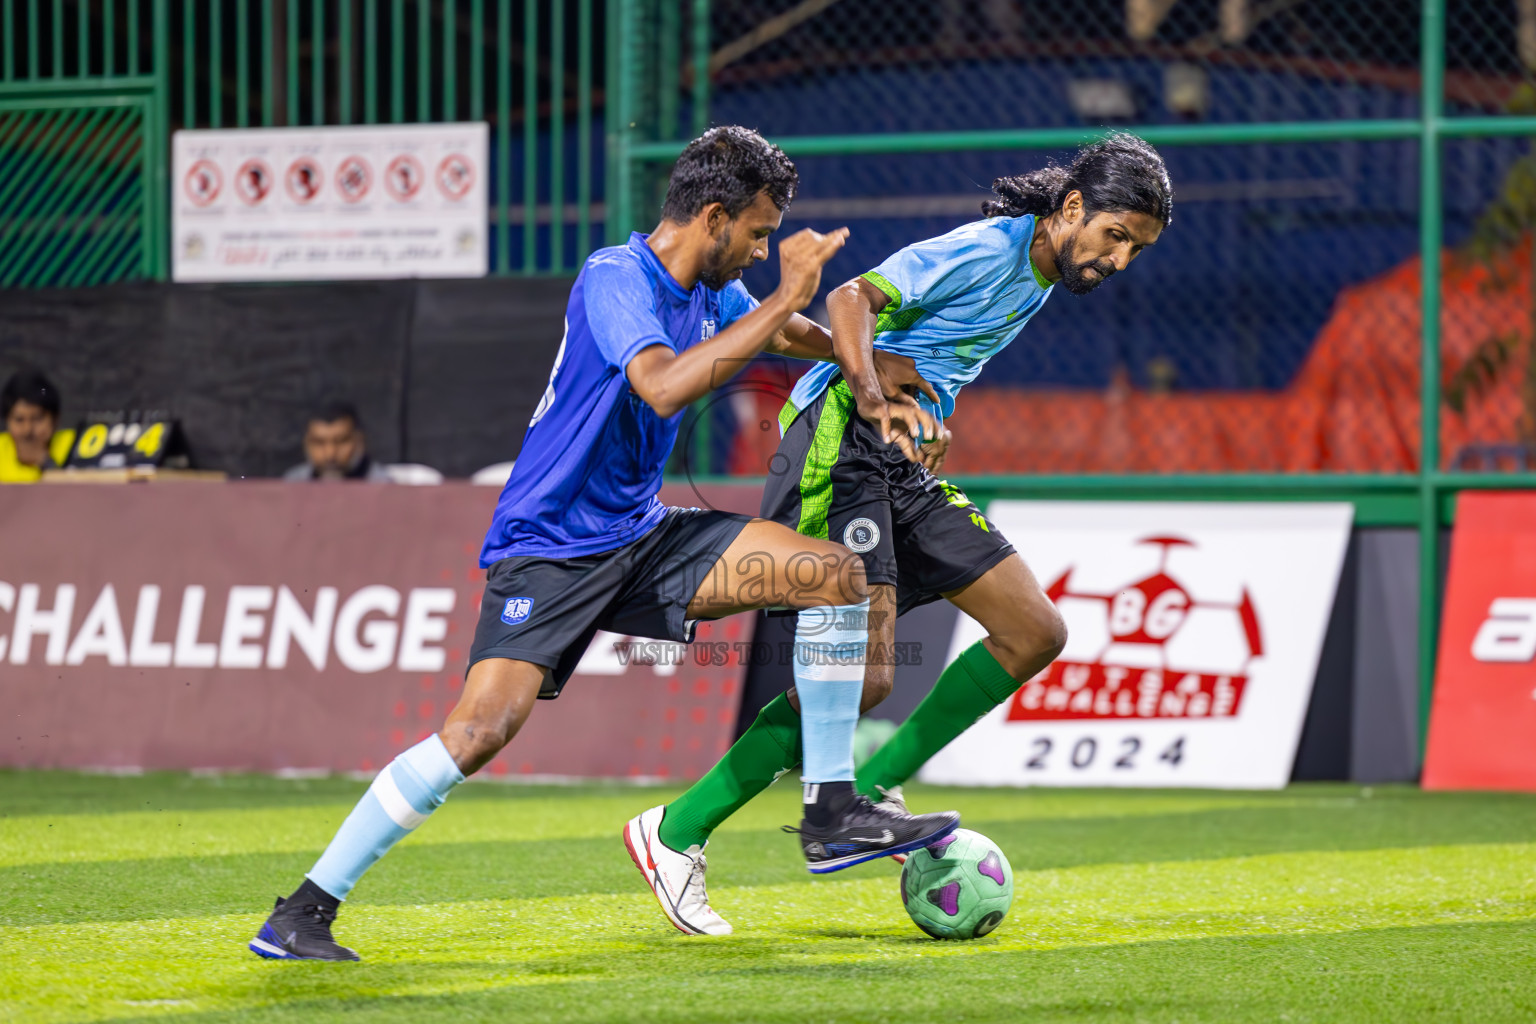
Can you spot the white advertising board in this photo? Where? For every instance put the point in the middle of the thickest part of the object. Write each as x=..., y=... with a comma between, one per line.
x=307, y=204
x=1194, y=635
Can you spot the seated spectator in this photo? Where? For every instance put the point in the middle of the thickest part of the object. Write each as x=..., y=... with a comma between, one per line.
x=335, y=447
x=32, y=441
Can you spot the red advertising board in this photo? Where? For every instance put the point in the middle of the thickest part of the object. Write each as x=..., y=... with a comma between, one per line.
x=266, y=626
x=1482, y=728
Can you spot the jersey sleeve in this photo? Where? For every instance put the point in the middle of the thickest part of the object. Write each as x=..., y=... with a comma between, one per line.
x=933, y=273
x=620, y=301
x=735, y=303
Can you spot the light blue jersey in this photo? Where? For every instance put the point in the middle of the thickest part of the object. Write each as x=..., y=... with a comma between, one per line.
x=955, y=302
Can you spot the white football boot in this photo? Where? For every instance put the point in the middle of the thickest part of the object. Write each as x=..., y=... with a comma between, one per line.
x=676, y=878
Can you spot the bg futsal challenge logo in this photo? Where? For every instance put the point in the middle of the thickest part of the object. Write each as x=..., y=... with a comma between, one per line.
x=1158, y=648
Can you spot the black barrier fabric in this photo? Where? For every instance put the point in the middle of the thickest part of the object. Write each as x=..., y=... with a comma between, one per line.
x=442, y=372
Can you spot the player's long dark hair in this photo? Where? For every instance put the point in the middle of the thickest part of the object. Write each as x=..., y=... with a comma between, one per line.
x=1122, y=173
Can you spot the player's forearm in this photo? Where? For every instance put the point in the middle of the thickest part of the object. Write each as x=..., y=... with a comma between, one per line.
x=804, y=338
x=853, y=339
x=670, y=383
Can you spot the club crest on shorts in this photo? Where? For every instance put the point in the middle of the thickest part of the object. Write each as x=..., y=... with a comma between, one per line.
x=861, y=535
x=517, y=610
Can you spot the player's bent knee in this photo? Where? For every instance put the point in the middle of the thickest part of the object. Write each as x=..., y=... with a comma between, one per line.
x=474, y=742
x=1045, y=631
x=1037, y=632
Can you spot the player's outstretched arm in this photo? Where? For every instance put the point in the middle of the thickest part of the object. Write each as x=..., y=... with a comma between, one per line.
x=853, y=309
x=671, y=381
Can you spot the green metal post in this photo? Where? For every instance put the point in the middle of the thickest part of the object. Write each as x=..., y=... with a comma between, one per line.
x=669, y=70
x=83, y=38
x=397, y=62
x=215, y=67
x=450, y=29
x=530, y=136
x=504, y=130
x=700, y=67
x=611, y=23
x=33, y=58
x=450, y=63
x=625, y=84
x=557, y=138
x=317, y=64
x=8, y=26
x=583, y=130
x=133, y=36
x=423, y=61
x=344, y=62
x=477, y=60
x=188, y=77
x=267, y=72
x=242, y=63
x=157, y=144
x=293, y=62
x=1431, y=213
x=370, y=63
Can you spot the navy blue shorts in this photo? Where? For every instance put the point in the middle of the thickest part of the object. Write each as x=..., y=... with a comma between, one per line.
x=547, y=610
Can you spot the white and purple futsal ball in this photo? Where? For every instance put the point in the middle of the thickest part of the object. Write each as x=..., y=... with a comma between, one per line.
x=959, y=888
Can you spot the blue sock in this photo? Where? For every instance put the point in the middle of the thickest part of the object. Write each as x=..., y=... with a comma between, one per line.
x=829, y=677
x=409, y=788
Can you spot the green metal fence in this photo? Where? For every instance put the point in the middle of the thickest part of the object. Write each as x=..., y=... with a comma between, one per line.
x=82, y=144
x=535, y=70
x=1423, y=499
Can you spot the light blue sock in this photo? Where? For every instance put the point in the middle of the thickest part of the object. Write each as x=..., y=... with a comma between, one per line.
x=409, y=788
x=829, y=677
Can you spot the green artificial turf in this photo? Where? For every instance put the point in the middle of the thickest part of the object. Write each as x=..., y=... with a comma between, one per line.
x=128, y=898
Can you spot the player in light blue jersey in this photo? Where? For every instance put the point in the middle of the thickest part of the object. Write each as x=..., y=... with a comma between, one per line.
x=580, y=542
x=949, y=303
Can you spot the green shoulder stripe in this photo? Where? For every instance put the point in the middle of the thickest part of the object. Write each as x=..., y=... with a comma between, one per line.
x=891, y=291
x=787, y=416
x=892, y=317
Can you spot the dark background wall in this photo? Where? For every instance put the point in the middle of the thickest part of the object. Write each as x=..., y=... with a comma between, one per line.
x=443, y=372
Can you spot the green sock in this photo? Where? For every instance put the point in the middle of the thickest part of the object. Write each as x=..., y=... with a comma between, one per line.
x=769, y=747
x=972, y=685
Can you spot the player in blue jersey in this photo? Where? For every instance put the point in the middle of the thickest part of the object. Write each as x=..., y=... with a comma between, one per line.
x=580, y=542
x=950, y=303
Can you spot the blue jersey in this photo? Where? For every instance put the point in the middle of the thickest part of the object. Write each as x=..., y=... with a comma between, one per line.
x=586, y=479
x=955, y=302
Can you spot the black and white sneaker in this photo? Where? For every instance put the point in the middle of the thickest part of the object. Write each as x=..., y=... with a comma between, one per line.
x=865, y=831
x=298, y=932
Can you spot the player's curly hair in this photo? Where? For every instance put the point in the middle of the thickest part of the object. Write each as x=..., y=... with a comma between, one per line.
x=728, y=165
x=1122, y=173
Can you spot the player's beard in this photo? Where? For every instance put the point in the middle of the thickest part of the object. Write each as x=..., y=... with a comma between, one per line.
x=716, y=274
x=1072, y=272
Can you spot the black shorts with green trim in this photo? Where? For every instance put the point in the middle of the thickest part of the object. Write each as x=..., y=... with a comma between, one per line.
x=840, y=481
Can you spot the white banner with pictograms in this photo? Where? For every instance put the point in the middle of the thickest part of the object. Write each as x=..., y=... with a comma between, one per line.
x=302, y=204
x=1194, y=635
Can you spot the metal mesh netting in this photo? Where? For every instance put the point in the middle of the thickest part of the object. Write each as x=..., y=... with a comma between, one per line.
x=876, y=65
x=1275, y=327
x=1272, y=328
